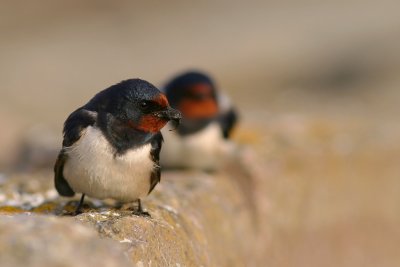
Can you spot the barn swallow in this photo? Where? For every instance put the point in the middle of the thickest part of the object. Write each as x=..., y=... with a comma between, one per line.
x=112, y=144
x=201, y=141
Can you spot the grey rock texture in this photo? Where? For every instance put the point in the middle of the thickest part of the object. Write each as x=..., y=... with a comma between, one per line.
x=37, y=241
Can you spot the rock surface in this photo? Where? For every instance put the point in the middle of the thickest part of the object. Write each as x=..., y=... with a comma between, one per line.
x=37, y=241
x=197, y=219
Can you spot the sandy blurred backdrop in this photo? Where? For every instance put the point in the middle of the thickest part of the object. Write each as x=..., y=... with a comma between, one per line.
x=316, y=83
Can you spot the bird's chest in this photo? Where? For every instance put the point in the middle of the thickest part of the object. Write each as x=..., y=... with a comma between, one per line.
x=198, y=150
x=93, y=168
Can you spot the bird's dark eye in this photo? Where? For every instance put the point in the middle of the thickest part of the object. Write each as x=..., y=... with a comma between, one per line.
x=144, y=104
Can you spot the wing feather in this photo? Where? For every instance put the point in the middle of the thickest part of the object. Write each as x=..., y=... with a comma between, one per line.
x=73, y=127
x=156, y=144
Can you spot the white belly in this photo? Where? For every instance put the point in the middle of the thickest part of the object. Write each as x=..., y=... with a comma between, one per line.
x=92, y=169
x=202, y=150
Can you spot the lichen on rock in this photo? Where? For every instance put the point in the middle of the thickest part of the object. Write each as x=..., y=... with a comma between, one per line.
x=197, y=219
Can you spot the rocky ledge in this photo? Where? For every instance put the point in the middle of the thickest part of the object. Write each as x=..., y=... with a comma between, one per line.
x=197, y=219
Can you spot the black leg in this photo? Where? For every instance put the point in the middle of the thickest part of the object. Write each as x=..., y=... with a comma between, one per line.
x=78, y=208
x=140, y=211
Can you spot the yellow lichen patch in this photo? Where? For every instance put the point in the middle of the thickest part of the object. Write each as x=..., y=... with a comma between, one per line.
x=69, y=208
x=11, y=209
x=45, y=208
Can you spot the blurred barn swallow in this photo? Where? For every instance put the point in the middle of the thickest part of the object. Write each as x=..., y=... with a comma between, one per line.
x=112, y=144
x=208, y=118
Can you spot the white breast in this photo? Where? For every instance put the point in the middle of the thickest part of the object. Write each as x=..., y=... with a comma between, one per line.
x=202, y=150
x=93, y=169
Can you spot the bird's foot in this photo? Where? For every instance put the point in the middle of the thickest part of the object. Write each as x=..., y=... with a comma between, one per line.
x=141, y=213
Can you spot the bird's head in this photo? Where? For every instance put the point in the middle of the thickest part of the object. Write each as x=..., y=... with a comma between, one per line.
x=136, y=104
x=194, y=94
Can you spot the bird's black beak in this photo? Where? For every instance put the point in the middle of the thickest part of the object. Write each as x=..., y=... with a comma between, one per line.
x=170, y=114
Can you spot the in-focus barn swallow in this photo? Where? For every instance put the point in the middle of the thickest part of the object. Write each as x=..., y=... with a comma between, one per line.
x=201, y=141
x=112, y=144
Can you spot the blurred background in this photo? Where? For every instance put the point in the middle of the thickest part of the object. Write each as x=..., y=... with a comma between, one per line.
x=316, y=83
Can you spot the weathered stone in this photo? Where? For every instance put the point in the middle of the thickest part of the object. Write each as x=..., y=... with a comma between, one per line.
x=37, y=241
x=197, y=219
